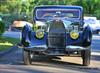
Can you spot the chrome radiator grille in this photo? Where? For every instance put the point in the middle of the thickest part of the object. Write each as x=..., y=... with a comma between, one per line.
x=56, y=40
x=57, y=35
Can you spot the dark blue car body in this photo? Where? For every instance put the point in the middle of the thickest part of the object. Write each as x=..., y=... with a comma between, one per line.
x=63, y=34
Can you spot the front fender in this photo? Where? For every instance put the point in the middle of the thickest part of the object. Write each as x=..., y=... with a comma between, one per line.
x=87, y=36
x=25, y=38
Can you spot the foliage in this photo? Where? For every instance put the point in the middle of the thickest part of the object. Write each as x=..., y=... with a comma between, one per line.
x=6, y=43
x=2, y=27
x=97, y=13
x=22, y=9
x=19, y=6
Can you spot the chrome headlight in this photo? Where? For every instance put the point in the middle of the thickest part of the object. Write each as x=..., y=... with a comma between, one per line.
x=74, y=34
x=39, y=33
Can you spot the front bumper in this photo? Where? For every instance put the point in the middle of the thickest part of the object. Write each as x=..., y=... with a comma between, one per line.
x=75, y=48
x=44, y=48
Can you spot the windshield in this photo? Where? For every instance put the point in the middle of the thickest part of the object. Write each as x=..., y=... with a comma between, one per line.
x=46, y=14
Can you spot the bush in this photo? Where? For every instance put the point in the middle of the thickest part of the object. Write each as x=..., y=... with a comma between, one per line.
x=97, y=13
x=2, y=28
x=8, y=19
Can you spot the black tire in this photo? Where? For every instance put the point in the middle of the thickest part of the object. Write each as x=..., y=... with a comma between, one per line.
x=86, y=55
x=97, y=32
x=26, y=57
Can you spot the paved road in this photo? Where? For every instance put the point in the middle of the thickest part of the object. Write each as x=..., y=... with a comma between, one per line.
x=13, y=62
x=96, y=43
x=12, y=34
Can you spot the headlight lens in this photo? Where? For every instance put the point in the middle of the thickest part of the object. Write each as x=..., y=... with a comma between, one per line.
x=74, y=34
x=39, y=34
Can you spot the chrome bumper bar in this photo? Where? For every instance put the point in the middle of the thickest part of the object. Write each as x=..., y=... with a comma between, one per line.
x=44, y=48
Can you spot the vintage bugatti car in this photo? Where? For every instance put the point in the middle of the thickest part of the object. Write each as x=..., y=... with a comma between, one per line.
x=57, y=31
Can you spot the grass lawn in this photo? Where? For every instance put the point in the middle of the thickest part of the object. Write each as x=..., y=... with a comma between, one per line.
x=6, y=43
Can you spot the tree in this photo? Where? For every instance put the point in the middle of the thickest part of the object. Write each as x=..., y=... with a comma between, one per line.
x=2, y=27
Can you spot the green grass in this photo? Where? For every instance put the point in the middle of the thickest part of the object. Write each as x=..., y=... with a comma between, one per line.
x=6, y=43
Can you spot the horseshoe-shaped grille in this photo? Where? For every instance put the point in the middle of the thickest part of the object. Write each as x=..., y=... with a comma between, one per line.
x=57, y=35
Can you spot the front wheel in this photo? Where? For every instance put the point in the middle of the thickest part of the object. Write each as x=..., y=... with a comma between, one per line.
x=26, y=57
x=86, y=55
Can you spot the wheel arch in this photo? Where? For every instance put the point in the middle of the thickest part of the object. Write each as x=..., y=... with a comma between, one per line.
x=87, y=36
x=26, y=35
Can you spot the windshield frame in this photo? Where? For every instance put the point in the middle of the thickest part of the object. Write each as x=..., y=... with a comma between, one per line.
x=54, y=11
x=59, y=7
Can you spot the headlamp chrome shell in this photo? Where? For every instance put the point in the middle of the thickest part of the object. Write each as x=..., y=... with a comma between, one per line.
x=74, y=34
x=39, y=34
